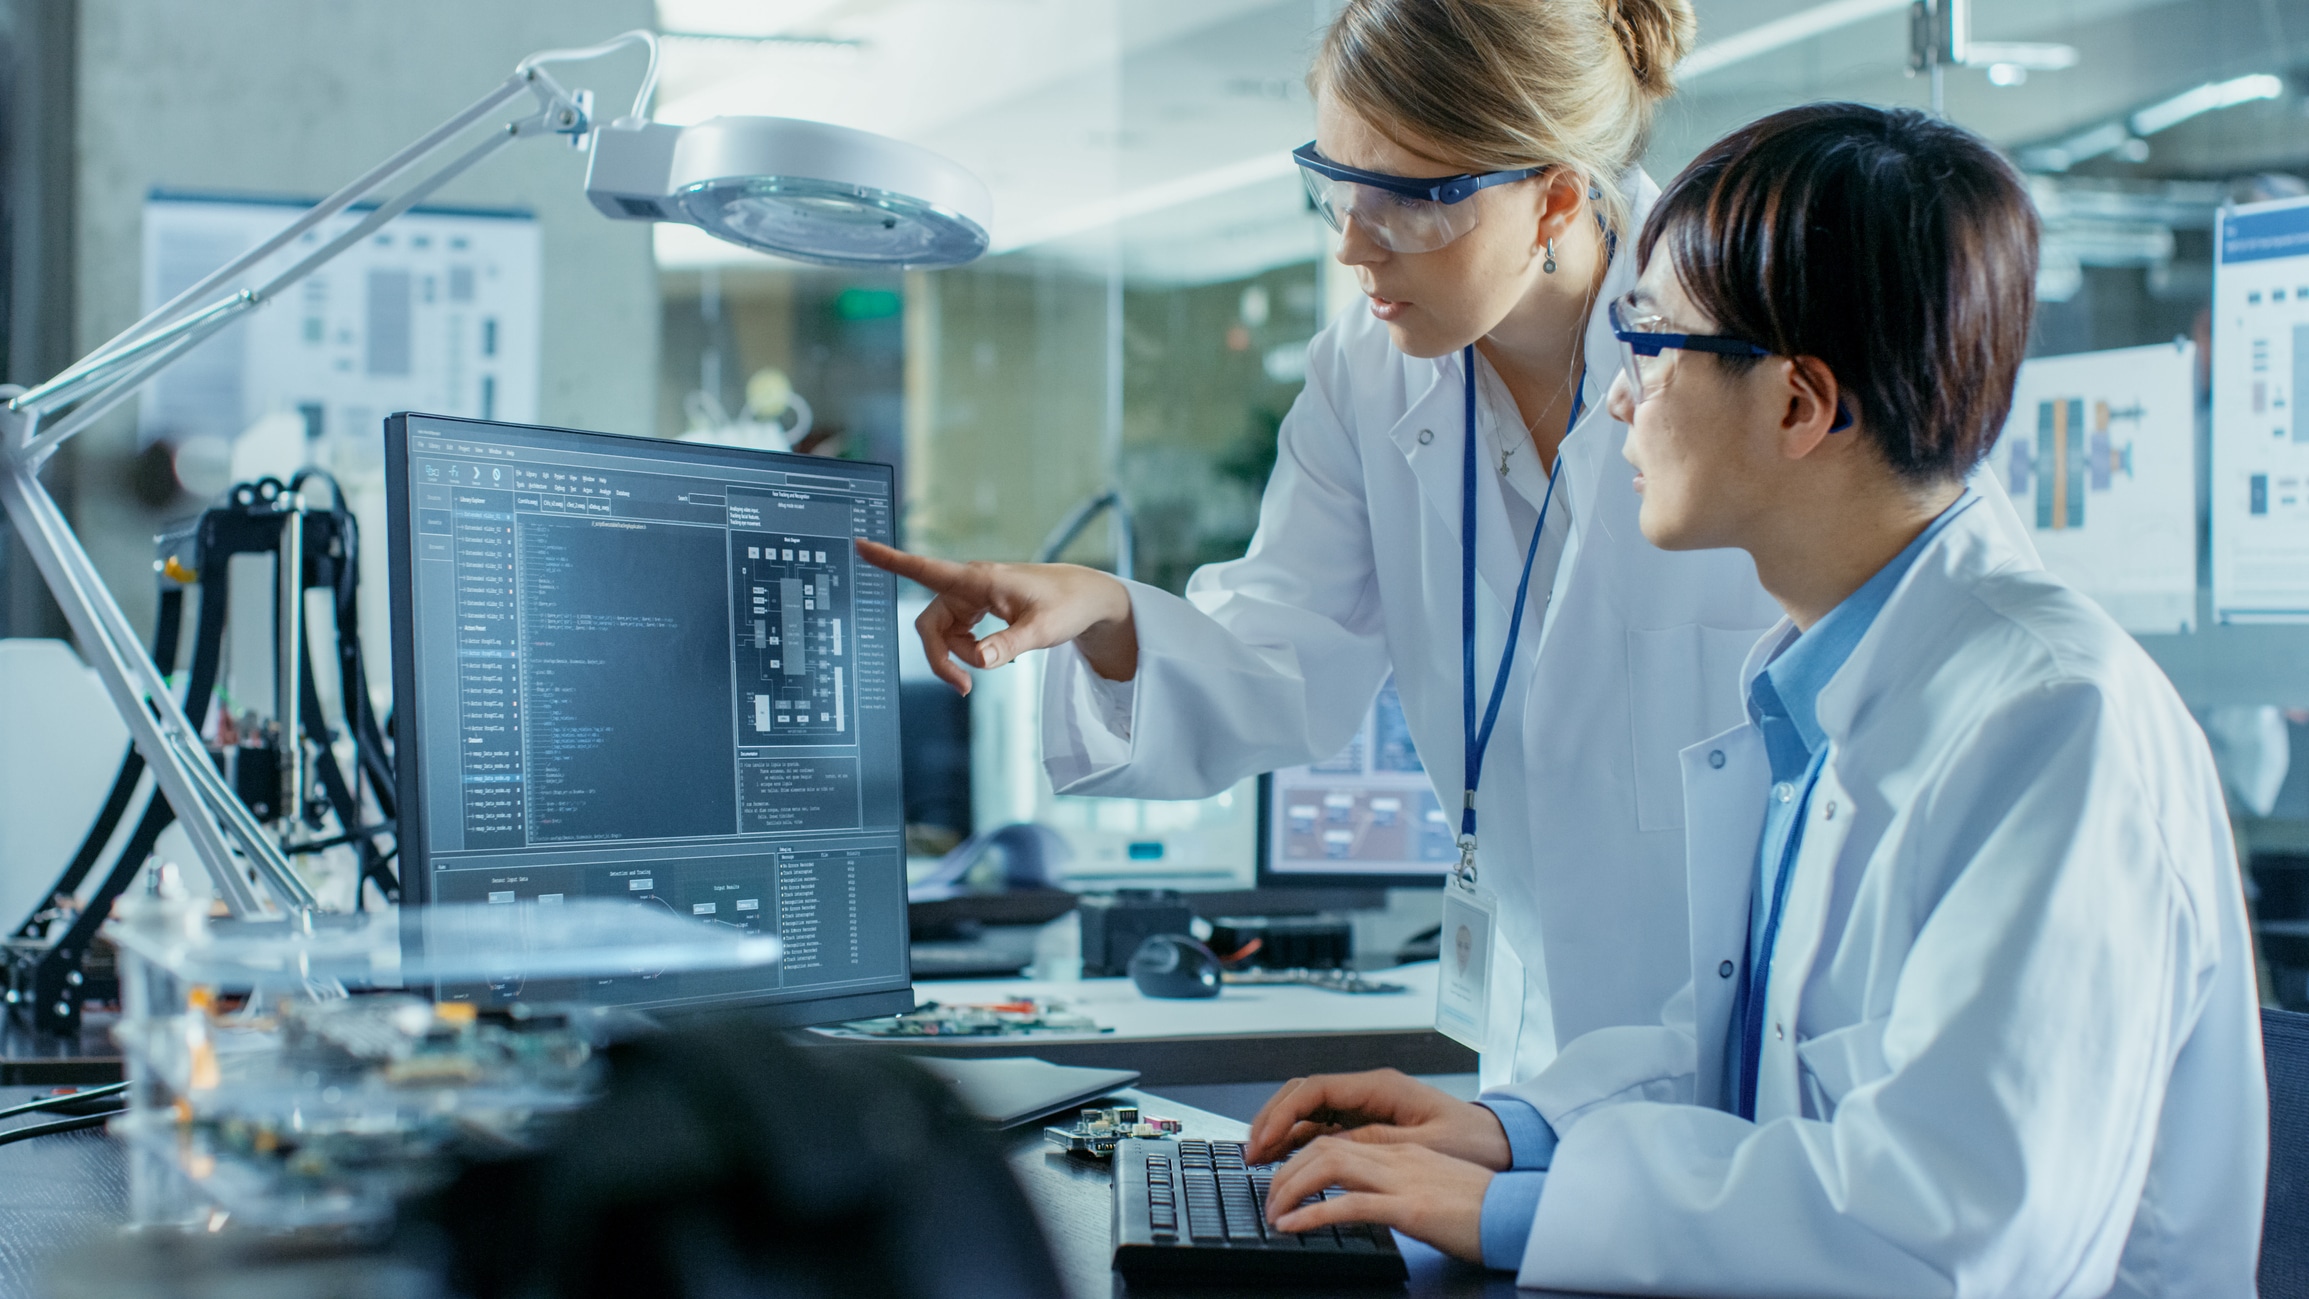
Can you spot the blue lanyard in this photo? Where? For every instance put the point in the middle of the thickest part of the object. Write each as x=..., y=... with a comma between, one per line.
x=1750, y=1010
x=1479, y=738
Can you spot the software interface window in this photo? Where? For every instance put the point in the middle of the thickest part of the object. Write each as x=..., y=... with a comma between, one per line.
x=657, y=671
x=1368, y=810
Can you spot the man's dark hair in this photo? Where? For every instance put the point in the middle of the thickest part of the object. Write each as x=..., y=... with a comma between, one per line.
x=1894, y=247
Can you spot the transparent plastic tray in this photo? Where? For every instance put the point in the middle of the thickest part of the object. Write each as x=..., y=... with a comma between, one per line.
x=297, y=1073
x=455, y=944
x=268, y=1192
x=248, y=1065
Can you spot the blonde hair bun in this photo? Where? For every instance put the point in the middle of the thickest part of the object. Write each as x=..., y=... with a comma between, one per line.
x=1656, y=35
x=1502, y=84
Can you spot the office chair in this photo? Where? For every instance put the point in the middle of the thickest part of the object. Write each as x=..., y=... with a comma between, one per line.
x=724, y=1161
x=2285, y=1222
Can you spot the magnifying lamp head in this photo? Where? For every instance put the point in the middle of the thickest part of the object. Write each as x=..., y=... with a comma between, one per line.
x=808, y=191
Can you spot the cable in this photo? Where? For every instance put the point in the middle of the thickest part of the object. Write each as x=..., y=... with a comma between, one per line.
x=67, y=1098
x=638, y=36
x=61, y=1125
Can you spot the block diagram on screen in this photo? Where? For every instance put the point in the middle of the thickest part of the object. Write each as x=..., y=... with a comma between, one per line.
x=794, y=624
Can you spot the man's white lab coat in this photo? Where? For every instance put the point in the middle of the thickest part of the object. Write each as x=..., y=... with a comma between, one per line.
x=1270, y=661
x=2011, y=1044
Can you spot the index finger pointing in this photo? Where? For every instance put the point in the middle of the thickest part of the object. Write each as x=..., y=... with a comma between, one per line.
x=937, y=574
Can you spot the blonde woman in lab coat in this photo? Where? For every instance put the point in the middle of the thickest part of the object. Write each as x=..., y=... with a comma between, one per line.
x=1538, y=110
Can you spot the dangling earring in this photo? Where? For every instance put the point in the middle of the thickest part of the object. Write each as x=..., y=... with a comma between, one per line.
x=1549, y=265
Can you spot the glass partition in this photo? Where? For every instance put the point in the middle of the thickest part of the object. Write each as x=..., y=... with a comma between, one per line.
x=1141, y=325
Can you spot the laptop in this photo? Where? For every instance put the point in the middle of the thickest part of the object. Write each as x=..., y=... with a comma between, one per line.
x=1013, y=1090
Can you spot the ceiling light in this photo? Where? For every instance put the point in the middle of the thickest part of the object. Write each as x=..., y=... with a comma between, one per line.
x=2205, y=99
x=2027, y=56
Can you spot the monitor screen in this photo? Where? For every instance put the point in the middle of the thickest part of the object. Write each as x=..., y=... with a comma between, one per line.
x=653, y=670
x=1366, y=816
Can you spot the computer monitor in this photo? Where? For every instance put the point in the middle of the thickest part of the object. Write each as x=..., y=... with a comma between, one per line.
x=1365, y=817
x=638, y=668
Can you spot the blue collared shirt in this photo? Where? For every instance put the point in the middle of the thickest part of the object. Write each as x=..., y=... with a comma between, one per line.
x=1782, y=703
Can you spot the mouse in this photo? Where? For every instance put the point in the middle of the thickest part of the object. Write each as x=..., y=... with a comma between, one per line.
x=1173, y=966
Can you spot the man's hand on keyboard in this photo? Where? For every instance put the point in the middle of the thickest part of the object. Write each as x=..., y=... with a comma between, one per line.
x=1417, y=1191
x=1381, y=1107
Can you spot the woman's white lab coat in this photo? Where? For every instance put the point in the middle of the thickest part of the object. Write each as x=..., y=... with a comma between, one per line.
x=1271, y=661
x=2012, y=1041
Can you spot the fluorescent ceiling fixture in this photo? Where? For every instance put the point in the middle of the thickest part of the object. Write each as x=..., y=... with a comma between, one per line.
x=1780, y=33
x=740, y=17
x=1152, y=198
x=2205, y=99
x=2126, y=133
x=2031, y=55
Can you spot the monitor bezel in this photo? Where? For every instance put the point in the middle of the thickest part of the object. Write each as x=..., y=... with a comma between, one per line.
x=1269, y=878
x=414, y=853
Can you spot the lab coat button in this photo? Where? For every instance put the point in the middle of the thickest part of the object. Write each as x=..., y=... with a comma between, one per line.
x=1783, y=791
x=1724, y=971
x=1779, y=1033
x=1426, y=435
x=1715, y=757
x=1828, y=813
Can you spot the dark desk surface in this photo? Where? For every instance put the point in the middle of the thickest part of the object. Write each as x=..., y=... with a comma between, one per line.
x=55, y=1193
x=1072, y=1199
x=70, y=1190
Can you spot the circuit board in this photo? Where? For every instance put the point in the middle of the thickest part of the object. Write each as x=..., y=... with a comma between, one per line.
x=1096, y=1132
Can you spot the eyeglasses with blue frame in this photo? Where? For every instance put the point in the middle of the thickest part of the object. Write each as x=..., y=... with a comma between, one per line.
x=1402, y=214
x=1642, y=339
x=1637, y=327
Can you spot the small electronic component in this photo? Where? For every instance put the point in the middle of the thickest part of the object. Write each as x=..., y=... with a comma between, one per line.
x=1096, y=1132
x=1346, y=981
x=404, y=1041
x=995, y=1019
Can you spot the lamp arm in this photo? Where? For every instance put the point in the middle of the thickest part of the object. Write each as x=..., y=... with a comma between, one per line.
x=352, y=193
x=231, y=845
x=559, y=112
x=122, y=384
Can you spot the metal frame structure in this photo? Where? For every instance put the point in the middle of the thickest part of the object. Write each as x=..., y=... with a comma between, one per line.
x=233, y=847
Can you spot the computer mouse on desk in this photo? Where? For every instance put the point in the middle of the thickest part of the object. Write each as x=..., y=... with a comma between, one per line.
x=1174, y=966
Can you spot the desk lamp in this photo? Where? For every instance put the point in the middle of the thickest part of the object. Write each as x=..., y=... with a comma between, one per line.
x=801, y=190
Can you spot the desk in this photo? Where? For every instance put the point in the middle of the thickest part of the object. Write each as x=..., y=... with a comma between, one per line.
x=1245, y=1034
x=56, y=1192
x=67, y=1193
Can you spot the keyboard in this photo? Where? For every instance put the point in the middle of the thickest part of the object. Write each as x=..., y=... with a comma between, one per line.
x=1188, y=1209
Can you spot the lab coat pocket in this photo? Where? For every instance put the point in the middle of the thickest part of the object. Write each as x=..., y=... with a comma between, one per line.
x=1836, y=1062
x=1683, y=686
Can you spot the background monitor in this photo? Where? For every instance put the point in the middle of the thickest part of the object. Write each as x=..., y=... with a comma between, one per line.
x=654, y=670
x=1366, y=817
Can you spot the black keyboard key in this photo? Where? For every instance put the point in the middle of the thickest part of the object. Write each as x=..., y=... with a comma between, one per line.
x=1195, y=1211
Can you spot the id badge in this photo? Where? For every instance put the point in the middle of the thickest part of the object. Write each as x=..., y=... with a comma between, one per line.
x=1463, y=974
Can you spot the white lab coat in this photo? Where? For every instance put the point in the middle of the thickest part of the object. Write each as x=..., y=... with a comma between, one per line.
x=1271, y=660
x=2012, y=1042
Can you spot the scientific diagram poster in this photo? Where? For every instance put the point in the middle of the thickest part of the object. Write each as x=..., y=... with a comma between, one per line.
x=2260, y=454
x=2099, y=456
x=436, y=312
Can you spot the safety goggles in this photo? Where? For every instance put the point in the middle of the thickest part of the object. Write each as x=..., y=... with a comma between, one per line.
x=1402, y=214
x=1643, y=337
